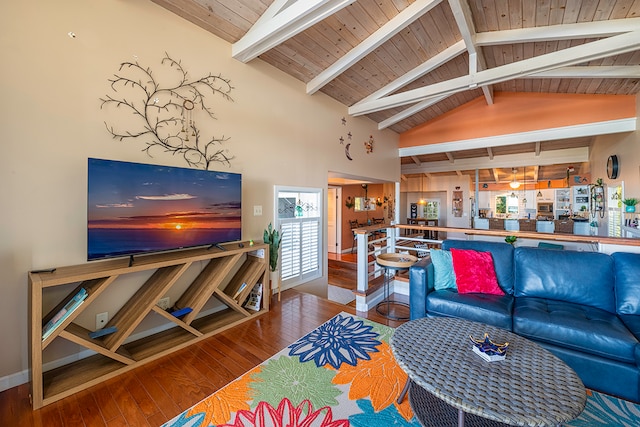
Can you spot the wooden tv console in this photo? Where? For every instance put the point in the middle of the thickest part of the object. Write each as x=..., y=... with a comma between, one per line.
x=220, y=274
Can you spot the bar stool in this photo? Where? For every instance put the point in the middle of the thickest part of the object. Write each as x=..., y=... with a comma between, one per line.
x=392, y=263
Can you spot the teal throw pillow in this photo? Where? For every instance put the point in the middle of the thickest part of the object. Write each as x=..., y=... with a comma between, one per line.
x=444, y=276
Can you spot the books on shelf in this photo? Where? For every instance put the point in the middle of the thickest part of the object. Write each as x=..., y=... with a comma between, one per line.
x=181, y=311
x=255, y=298
x=63, y=313
x=239, y=291
x=102, y=332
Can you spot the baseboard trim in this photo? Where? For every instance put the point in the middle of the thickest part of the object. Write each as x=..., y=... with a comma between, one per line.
x=22, y=377
x=14, y=380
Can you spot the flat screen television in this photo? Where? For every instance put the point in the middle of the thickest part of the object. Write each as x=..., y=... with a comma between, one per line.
x=135, y=208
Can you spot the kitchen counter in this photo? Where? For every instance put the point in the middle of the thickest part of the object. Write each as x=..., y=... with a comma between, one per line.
x=511, y=225
x=481, y=223
x=545, y=226
x=581, y=228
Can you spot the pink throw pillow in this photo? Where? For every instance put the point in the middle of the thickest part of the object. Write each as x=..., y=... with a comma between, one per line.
x=475, y=272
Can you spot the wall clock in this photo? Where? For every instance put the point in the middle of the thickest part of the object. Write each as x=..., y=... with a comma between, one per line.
x=612, y=166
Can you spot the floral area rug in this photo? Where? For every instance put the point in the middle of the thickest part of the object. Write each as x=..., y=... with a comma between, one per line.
x=342, y=374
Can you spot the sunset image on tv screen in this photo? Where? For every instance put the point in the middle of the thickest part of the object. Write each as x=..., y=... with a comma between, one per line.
x=136, y=208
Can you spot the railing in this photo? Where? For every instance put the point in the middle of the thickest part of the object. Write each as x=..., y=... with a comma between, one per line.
x=391, y=241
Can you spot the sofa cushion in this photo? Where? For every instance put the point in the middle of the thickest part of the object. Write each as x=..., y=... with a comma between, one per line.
x=444, y=277
x=627, y=270
x=502, y=254
x=632, y=322
x=490, y=309
x=475, y=272
x=585, y=278
x=575, y=326
x=420, y=284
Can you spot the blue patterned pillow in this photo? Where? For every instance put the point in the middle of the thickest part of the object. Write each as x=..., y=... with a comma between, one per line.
x=444, y=277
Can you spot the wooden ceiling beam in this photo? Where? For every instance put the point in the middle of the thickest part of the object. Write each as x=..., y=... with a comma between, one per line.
x=281, y=21
x=582, y=30
x=496, y=176
x=591, y=72
x=611, y=46
x=490, y=153
x=464, y=19
x=425, y=68
x=416, y=160
x=408, y=112
x=421, y=70
x=379, y=37
x=550, y=157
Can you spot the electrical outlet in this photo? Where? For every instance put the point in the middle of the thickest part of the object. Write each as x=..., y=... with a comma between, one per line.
x=164, y=303
x=101, y=320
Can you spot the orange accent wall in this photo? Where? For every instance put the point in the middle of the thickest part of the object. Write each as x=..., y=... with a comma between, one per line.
x=519, y=112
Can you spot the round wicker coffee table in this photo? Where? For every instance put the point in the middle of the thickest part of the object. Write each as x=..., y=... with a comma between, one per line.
x=531, y=387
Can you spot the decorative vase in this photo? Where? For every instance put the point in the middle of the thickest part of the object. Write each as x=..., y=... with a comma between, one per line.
x=628, y=208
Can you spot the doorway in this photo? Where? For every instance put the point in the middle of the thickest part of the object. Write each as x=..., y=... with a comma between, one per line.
x=333, y=220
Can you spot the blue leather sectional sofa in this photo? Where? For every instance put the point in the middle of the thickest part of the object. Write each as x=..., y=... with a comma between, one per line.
x=584, y=307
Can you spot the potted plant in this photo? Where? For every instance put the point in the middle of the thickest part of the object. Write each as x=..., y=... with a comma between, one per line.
x=272, y=238
x=630, y=204
x=511, y=240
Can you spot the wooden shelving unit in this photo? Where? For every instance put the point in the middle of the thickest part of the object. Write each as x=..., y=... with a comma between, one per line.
x=221, y=278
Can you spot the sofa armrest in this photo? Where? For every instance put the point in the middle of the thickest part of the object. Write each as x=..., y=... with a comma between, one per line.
x=632, y=322
x=420, y=285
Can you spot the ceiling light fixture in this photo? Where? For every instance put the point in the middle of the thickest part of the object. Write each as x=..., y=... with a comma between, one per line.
x=514, y=184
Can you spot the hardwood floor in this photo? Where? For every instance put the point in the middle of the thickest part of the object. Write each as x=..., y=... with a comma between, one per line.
x=343, y=269
x=156, y=392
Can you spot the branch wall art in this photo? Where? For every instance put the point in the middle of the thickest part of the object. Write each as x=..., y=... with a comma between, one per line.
x=171, y=115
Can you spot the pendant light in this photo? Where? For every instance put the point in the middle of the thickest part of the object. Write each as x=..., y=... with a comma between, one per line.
x=514, y=184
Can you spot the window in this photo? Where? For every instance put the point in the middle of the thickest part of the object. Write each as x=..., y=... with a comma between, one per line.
x=300, y=221
x=512, y=205
x=365, y=204
x=506, y=205
x=431, y=210
x=615, y=214
x=501, y=204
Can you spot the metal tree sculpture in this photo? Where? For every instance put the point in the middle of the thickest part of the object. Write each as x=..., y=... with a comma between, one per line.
x=166, y=114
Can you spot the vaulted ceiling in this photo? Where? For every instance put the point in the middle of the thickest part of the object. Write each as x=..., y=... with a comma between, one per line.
x=405, y=62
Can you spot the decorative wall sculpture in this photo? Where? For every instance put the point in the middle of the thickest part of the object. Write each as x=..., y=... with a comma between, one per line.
x=168, y=115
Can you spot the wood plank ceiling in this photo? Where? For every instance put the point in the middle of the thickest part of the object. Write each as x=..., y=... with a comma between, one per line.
x=405, y=62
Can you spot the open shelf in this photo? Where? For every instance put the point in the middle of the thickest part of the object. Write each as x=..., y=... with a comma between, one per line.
x=225, y=273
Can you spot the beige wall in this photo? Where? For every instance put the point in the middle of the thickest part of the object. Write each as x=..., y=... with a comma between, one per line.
x=52, y=122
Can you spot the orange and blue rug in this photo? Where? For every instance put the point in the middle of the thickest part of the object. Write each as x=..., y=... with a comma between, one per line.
x=342, y=374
